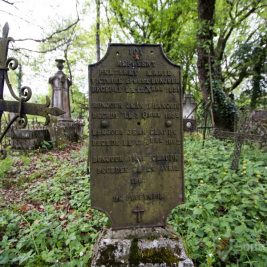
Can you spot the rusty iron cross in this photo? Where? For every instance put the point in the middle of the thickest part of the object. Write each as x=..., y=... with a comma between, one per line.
x=20, y=107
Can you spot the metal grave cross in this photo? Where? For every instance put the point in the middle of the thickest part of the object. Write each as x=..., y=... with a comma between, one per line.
x=239, y=137
x=20, y=106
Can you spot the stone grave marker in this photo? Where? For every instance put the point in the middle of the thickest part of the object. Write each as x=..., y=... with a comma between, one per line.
x=136, y=156
x=64, y=129
x=136, y=137
x=60, y=84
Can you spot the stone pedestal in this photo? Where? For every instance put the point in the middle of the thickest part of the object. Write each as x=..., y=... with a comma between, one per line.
x=28, y=139
x=62, y=133
x=141, y=247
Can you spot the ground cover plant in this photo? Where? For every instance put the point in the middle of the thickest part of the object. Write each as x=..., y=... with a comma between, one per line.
x=46, y=218
x=223, y=222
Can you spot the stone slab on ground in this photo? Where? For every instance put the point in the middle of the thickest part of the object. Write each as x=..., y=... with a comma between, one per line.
x=28, y=139
x=140, y=247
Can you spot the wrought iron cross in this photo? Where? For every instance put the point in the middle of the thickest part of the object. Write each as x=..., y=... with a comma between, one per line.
x=20, y=106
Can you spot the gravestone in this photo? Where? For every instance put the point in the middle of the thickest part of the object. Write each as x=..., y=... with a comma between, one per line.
x=65, y=129
x=136, y=154
x=60, y=84
x=136, y=136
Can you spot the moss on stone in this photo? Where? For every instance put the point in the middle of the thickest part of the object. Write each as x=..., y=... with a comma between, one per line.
x=107, y=256
x=158, y=255
x=134, y=253
x=152, y=255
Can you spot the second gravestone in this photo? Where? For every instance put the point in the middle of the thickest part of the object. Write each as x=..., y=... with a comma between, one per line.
x=136, y=155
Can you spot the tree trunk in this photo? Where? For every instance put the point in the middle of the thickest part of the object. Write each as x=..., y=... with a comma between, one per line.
x=209, y=69
x=97, y=29
x=258, y=69
x=205, y=42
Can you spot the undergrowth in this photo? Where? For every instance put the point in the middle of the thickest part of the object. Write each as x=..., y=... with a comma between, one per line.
x=222, y=223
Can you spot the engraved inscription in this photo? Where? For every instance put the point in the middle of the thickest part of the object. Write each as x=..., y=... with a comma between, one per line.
x=107, y=159
x=121, y=72
x=131, y=63
x=107, y=131
x=167, y=157
x=105, y=115
x=149, y=197
x=112, y=170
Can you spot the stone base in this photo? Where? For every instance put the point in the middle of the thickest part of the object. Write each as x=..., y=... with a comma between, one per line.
x=141, y=247
x=28, y=139
x=66, y=132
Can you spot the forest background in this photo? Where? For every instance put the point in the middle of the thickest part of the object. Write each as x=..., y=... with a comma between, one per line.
x=220, y=44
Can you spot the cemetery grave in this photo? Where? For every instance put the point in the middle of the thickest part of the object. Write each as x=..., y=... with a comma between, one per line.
x=20, y=108
x=141, y=185
x=136, y=154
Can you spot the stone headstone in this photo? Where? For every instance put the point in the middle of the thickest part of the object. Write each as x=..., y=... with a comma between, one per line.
x=66, y=129
x=60, y=84
x=136, y=149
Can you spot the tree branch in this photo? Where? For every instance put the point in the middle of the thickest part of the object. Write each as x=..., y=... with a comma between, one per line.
x=27, y=21
x=52, y=35
x=108, y=21
x=8, y=2
x=42, y=51
x=223, y=38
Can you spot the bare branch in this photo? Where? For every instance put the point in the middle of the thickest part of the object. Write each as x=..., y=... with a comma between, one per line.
x=21, y=18
x=8, y=2
x=223, y=38
x=69, y=42
x=42, y=51
x=43, y=40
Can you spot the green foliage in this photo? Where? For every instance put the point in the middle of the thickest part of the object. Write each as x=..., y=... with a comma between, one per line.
x=46, y=145
x=56, y=225
x=5, y=165
x=223, y=219
x=171, y=23
x=222, y=222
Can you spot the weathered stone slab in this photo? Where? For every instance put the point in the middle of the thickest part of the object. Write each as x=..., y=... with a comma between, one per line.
x=28, y=138
x=136, y=149
x=142, y=247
